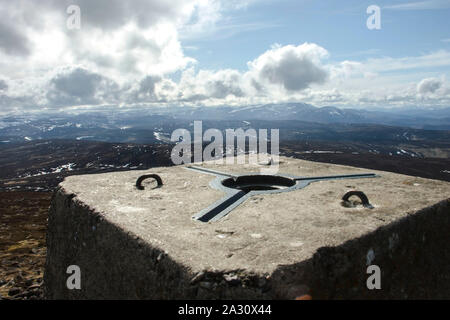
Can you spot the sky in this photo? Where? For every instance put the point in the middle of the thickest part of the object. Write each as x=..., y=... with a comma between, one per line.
x=79, y=54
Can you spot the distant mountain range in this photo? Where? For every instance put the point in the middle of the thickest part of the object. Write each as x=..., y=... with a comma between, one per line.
x=438, y=119
x=413, y=117
x=296, y=121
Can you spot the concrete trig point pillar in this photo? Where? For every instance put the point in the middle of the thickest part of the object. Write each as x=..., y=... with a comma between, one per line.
x=144, y=244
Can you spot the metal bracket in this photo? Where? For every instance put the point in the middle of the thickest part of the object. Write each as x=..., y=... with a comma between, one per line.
x=360, y=195
x=147, y=176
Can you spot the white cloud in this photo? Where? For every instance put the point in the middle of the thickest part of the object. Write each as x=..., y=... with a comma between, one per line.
x=3, y=85
x=127, y=51
x=204, y=86
x=123, y=40
x=387, y=64
x=78, y=86
x=429, y=85
x=292, y=67
x=141, y=91
x=277, y=73
x=346, y=69
x=12, y=41
x=204, y=20
x=421, y=5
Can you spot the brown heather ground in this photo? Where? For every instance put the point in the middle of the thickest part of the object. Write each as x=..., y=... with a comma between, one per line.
x=23, y=223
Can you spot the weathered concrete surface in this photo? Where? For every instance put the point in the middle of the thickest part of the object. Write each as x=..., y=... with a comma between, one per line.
x=144, y=244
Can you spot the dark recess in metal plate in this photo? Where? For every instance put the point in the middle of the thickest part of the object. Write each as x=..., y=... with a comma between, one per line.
x=239, y=187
